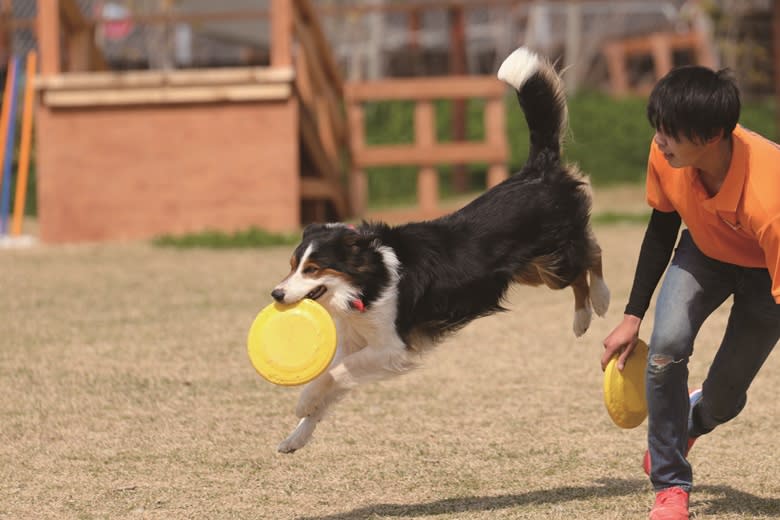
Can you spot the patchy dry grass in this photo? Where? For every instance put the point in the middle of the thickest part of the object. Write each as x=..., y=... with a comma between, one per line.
x=127, y=393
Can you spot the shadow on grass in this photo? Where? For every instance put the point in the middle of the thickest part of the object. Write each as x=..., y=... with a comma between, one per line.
x=730, y=500
x=604, y=488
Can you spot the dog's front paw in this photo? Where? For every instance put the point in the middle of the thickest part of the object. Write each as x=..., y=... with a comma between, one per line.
x=313, y=395
x=599, y=295
x=582, y=319
x=299, y=437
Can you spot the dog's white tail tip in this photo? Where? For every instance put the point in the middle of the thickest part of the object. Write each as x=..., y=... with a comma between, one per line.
x=518, y=67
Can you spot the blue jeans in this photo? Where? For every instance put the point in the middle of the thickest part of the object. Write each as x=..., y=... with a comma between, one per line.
x=694, y=286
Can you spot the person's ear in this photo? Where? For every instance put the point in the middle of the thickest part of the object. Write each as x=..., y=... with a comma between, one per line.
x=716, y=138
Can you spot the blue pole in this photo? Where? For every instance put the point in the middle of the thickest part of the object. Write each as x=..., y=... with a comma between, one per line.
x=5, y=201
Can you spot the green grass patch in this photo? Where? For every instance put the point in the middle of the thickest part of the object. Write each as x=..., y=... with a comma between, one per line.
x=611, y=217
x=211, y=239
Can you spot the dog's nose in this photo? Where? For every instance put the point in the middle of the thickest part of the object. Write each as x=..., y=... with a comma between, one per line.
x=277, y=294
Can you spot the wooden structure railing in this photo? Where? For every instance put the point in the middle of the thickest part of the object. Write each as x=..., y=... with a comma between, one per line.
x=323, y=121
x=62, y=21
x=660, y=47
x=425, y=151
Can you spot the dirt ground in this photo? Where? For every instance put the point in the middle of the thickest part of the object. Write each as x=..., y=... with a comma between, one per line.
x=126, y=392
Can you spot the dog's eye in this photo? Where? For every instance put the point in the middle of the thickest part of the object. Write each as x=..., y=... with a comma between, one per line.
x=309, y=269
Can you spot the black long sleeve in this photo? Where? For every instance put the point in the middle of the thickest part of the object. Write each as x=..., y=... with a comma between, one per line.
x=654, y=255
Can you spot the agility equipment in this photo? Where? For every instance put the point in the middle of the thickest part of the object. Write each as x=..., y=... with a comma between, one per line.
x=9, y=134
x=25, y=144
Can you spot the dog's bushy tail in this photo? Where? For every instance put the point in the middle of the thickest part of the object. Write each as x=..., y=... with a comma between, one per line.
x=542, y=98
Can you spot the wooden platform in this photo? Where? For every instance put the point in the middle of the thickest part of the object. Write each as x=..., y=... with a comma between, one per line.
x=131, y=155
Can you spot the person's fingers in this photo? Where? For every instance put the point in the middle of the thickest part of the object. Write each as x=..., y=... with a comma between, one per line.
x=624, y=355
x=610, y=349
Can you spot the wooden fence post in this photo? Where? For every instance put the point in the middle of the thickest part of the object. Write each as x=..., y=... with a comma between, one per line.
x=49, y=36
x=495, y=128
x=425, y=137
x=281, y=33
x=358, y=183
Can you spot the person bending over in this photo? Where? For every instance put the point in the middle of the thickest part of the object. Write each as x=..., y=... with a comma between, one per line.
x=723, y=182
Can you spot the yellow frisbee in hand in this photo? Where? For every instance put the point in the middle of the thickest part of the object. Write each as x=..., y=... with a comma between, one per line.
x=292, y=344
x=624, y=392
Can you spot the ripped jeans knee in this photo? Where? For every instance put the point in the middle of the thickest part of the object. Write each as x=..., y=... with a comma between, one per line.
x=661, y=362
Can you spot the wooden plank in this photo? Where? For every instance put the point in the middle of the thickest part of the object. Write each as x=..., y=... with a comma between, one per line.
x=313, y=145
x=303, y=81
x=314, y=188
x=442, y=153
x=150, y=78
x=662, y=54
x=317, y=188
x=425, y=137
x=353, y=8
x=495, y=133
x=322, y=43
x=358, y=181
x=448, y=87
x=281, y=33
x=80, y=43
x=71, y=15
x=644, y=44
x=312, y=61
x=165, y=95
x=49, y=36
x=313, y=64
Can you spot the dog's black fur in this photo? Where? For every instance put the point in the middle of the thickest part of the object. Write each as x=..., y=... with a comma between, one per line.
x=395, y=290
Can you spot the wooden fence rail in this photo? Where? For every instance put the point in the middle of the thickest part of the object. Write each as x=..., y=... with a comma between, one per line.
x=425, y=151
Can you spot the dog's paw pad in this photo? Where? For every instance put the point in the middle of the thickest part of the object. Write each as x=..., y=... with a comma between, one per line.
x=286, y=447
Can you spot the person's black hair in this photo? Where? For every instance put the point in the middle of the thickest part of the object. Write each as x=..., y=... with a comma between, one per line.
x=694, y=102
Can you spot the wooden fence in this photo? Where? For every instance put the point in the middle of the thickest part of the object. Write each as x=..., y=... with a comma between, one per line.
x=425, y=151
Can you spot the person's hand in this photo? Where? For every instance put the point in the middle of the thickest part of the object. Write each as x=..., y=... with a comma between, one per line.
x=621, y=340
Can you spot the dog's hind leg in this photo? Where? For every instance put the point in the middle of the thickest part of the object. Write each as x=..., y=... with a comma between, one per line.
x=599, y=292
x=582, y=310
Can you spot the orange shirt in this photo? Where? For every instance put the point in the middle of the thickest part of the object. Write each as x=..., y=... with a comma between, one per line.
x=741, y=223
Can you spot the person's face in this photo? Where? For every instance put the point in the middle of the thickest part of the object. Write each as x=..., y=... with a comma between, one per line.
x=680, y=152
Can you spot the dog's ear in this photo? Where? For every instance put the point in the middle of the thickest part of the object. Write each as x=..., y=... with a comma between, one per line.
x=359, y=240
x=313, y=228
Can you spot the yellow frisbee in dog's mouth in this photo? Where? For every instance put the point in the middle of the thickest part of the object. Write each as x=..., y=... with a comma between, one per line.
x=292, y=344
x=624, y=392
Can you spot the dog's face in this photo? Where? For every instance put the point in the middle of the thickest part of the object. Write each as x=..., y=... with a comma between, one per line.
x=329, y=265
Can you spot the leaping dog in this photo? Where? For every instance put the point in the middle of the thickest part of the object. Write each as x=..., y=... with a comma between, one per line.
x=395, y=291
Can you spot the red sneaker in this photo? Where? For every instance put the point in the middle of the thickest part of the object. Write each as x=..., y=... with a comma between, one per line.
x=695, y=397
x=670, y=504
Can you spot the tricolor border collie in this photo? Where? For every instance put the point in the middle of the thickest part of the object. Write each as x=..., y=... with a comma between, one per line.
x=394, y=292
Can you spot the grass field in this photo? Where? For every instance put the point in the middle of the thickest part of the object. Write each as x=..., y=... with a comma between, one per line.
x=126, y=392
